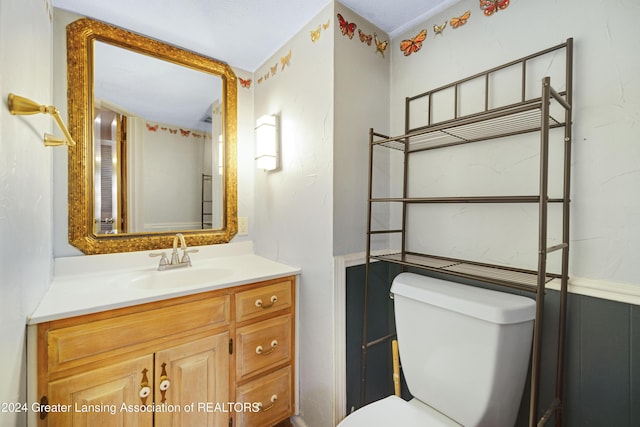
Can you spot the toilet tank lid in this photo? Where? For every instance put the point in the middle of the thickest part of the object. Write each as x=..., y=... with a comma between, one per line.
x=492, y=306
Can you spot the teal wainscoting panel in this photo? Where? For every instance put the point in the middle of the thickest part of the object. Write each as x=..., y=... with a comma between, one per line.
x=635, y=366
x=605, y=362
x=602, y=353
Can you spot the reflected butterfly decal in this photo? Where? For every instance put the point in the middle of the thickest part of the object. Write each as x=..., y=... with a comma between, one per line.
x=347, y=28
x=284, y=60
x=413, y=45
x=460, y=20
x=491, y=6
x=315, y=34
x=152, y=128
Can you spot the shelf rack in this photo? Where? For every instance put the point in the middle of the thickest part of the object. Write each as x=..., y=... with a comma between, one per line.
x=206, y=211
x=526, y=116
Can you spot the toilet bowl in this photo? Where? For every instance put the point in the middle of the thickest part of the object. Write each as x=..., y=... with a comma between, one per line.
x=394, y=411
x=464, y=352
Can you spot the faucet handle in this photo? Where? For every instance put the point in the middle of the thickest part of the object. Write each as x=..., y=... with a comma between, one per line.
x=185, y=255
x=164, y=261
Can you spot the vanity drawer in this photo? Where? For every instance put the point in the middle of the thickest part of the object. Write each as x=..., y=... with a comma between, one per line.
x=89, y=341
x=273, y=392
x=263, y=300
x=262, y=346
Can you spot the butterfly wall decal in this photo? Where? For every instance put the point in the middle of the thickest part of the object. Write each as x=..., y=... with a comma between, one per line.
x=438, y=29
x=315, y=34
x=413, y=45
x=460, y=20
x=491, y=6
x=347, y=28
x=381, y=46
x=325, y=26
x=365, y=38
x=284, y=60
x=244, y=83
x=274, y=69
x=173, y=131
x=184, y=133
x=152, y=128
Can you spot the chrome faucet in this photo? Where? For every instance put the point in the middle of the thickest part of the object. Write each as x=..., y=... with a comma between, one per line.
x=176, y=261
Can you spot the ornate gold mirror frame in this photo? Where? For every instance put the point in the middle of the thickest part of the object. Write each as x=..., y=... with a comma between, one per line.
x=81, y=36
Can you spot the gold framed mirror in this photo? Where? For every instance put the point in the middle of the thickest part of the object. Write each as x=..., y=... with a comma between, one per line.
x=155, y=127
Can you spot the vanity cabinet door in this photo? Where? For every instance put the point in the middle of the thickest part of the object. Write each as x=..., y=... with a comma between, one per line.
x=193, y=375
x=104, y=396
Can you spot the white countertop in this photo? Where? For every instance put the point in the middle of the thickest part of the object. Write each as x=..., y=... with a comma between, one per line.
x=90, y=284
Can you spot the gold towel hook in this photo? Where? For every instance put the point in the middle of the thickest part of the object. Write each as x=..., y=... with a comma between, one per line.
x=19, y=105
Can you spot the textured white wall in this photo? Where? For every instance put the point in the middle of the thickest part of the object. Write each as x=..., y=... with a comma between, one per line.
x=293, y=207
x=361, y=90
x=605, y=225
x=25, y=188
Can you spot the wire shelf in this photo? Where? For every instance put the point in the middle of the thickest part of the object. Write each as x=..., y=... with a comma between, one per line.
x=514, y=120
x=497, y=274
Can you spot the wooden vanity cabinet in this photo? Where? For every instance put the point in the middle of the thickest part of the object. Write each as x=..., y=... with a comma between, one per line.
x=207, y=359
x=265, y=353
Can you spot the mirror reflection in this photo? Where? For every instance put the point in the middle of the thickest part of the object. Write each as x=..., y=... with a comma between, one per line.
x=155, y=127
x=157, y=142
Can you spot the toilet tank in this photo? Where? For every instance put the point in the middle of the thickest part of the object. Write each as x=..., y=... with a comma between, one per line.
x=464, y=350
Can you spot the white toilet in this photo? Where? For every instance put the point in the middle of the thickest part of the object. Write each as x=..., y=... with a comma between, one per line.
x=464, y=352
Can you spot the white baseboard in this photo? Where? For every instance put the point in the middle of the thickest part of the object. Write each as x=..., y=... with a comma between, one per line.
x=297, y=421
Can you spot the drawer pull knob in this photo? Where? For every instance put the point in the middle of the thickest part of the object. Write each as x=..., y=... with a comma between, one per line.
x=273, y=299
x=261, y=351
x=274, y=399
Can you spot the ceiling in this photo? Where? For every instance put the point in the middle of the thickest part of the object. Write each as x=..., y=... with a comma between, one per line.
x=243, y=33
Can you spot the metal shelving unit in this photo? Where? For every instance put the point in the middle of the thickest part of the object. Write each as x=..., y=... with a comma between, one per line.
x=206, y=211
x=551, y=110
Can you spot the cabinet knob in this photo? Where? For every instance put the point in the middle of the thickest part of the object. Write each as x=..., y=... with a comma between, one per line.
x=145, y=390
x=274, y=399
x=262, y=352
x=260, y=304
x=164, y=382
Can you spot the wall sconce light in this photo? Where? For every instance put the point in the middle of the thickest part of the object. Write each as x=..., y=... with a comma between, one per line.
x=19, y=105
x=267, y=143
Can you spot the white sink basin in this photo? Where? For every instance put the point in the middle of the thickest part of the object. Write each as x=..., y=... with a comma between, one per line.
x=173, y=279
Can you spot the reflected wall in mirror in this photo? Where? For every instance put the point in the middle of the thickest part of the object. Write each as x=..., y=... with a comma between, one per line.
x=155, y=127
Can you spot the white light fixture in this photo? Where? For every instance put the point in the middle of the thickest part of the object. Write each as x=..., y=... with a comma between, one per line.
x=267, y=146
